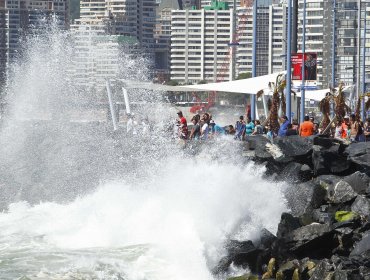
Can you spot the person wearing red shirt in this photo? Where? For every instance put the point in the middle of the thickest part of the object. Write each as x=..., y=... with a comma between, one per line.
x=183, y=126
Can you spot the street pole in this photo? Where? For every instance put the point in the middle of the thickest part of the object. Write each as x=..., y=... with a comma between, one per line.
x=288, y=88
x=358, y=52
x=363, y=115
x=302, y=111
x=333, y=54
x=254, y=58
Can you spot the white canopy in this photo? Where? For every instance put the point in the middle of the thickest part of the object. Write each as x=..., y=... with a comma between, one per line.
x=252, y=86
x=247, y=86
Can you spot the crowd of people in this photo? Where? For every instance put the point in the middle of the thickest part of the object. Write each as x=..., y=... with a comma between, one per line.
x=204, y=127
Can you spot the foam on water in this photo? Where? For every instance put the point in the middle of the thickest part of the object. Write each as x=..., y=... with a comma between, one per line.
x=183, y=216
x=158, y=213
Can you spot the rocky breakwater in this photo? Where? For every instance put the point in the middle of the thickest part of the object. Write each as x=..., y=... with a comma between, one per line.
x=327, y=233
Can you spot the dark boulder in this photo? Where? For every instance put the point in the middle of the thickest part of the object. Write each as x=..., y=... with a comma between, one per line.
x=305, y=197
x=323, y=141
x=329, y=160
x=359, y=153
x=342, y=192
x=361, y=206
x=294, y=147
x=241, y=253
x=363, y=246
x=266, y=239
x=314, y=241
x=359, y=182
x=258, y=144
x=287, y=224
x=295, y=172
x=291, y=172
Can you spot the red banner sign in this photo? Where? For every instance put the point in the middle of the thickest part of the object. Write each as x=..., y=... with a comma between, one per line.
x=310, y=66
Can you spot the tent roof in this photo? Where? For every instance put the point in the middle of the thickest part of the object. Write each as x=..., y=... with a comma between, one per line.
x=247, y=86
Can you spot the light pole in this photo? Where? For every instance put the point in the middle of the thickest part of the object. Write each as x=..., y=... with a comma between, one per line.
x=358, y=50
x=333, y=53
x=302, y=111
x=288, y=88
x=254, y=59
x=363, y=111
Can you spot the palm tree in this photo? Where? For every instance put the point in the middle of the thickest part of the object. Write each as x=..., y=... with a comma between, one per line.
x=341, y=108
x=278, y=99
x=324, y=106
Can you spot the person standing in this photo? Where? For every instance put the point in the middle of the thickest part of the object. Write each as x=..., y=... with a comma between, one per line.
x=195, y=131
x=240, y=128
x=284, y=126
x=249, y=127
x=345, y=128
x=306, y=128
x=367, y=130
x=338, y=130
x=354, y=128
x=183, y=126
x=205, y=126
x=291, y=131
x=258, y=130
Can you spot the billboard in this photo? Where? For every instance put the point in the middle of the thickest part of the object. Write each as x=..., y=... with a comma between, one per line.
x=310, y=70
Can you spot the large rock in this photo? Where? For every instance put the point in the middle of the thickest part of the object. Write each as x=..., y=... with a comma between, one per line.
x=243, y=254
x=294, y=146
x=295, y=172
x=305, y=197
x=359, y=182
x=329, y=160
x=361, y=206
x=314, y=240
x=359, y=153
x=363, y=246
x=258, y=144
x=287, y=224
x=291, y=172
x=341, y=193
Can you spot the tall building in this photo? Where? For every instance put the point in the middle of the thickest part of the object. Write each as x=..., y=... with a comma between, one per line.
x=245, y=48
x=131, y=18
x=271, y=31
x=319, y=38
x=95, y=58
x=199, y=44
x=20, y=17
x=277, y=34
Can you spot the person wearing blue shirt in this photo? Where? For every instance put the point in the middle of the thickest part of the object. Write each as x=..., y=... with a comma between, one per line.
x=249, y=127
x=240, y=128
x=284, y=127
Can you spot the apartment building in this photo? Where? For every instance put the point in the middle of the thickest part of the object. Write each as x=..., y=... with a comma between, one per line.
x=319, y=38
x=131, y=18
x=277, y=43
x=245, y=38
x=200, y=45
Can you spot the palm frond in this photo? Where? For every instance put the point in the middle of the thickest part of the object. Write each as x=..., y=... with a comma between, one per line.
x=259, y=93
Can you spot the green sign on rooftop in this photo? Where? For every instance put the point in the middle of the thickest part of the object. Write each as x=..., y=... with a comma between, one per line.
x=216, y=5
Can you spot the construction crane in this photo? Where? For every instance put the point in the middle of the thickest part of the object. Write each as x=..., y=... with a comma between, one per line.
x=239, y=21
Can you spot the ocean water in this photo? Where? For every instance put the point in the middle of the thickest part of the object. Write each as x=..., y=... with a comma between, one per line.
x=170, y=226
x=81, y=202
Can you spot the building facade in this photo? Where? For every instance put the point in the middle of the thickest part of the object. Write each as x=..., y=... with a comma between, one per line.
x=319, y=38
x=200, y=45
